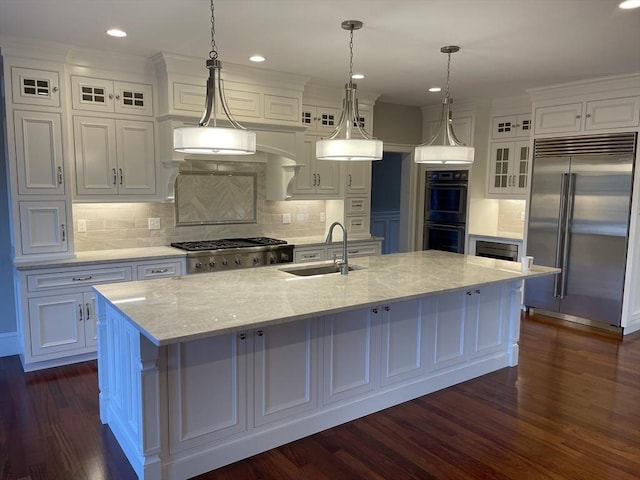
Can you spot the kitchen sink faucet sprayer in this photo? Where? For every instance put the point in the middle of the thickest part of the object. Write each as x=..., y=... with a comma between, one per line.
x=344, y=263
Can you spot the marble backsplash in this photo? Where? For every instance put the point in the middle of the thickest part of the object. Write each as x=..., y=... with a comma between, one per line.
x=511, y=218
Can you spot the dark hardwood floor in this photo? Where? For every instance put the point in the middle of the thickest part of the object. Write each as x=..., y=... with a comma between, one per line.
x=570, y=410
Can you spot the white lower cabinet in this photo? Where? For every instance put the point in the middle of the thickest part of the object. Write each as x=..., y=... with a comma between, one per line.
x=58, y=315
x=62, y=323
x=315, y=253
x=286, y=365
x=349, y=340
x=207, y=390
x=404, y=342
x=487, y=316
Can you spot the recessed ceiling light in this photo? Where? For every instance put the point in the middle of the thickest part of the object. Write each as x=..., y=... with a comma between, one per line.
x=116, y=32
x=357, y=76
x=257, y=58
x=629, y=4
x=435, y=89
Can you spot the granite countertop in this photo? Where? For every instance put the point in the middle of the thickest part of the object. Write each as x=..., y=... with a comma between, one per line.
x=184, y=308
x=106, y=256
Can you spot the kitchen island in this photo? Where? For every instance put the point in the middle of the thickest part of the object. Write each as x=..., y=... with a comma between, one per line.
x=196, y=372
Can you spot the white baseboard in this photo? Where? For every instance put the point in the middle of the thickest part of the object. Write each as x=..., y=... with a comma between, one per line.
x=9, y=344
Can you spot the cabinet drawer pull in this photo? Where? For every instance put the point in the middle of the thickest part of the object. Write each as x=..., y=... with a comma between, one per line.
x=63, y=230
x=314, y=180
x=120, y=170
x=115, y=177
x=80, y=312
x=310, y=255
x=59, y=175
x=82, y=279
x=160, y=270
x=88, y=310
x=349, y=184
x=353, y=252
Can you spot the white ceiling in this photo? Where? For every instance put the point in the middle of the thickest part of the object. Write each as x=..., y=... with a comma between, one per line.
x=507, y=46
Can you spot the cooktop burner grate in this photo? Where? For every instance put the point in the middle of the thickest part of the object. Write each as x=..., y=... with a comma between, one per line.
x=226, y=243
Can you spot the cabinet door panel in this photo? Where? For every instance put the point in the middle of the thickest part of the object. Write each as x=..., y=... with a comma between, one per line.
x=614, y=113
x=348, y=355
x=285, y=370
x=39, y=152
x=94, y=94
x=133, y=98
x=446, y=322
x=358, y=179
x=403, y=342
x=43, y=227
x=136, y=157
x=90, y=319
x=35, y=87
x=95, y=149
x=306, y=179
x=558, y=118
x=207, y=390
x=488, y=313
x=328, y=173
x=56, y=325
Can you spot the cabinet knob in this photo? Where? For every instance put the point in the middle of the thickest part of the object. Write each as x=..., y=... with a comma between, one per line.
x=588, y=115
x=111, y=96
x=578, y=117
x=387, y=308
x=242, y=336
x=260, y=333
x=55, y=89
x=469, y=293
x=374, y=310
x=478, y=291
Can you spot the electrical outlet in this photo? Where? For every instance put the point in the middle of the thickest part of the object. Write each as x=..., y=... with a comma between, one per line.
x=82, y=226
x=323, y=217
x=286, y=218
x=154, y=223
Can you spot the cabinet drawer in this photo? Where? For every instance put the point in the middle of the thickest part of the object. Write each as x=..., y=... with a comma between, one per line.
x=357, y=205
x=35, y=87
x=155, y=270
x=358, y=250
x=309, y=255
x=357, y=224
x=47, y=281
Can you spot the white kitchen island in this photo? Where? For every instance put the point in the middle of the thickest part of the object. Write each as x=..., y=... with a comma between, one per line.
x=196, y=372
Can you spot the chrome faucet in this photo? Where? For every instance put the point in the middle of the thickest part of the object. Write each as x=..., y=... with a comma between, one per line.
x=344, y=263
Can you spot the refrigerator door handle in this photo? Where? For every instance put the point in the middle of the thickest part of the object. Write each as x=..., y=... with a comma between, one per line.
x=567, y=233
x=564, y=181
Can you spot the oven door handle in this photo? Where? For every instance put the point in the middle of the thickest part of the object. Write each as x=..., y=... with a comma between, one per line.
x=442, y=225
x=447, y=185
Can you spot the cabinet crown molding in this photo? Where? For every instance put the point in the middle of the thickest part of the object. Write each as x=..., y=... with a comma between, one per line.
x=628, y=84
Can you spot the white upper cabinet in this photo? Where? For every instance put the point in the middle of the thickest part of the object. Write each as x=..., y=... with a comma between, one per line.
x=315, y=178
x=98, y=95
x=509, y=169
x=114, y=157
x=35, y=87
x=38, y=142
x=588, y=116
x=320, y=119
x=511, y=126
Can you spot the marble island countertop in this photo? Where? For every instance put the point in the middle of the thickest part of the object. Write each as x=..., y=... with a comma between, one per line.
x=184, y=308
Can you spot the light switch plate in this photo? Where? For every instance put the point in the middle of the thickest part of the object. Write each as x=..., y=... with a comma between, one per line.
x=82, y=226
x=154, y=224
x=286, y=218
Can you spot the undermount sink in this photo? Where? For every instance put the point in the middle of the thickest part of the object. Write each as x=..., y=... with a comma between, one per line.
x=308, y=271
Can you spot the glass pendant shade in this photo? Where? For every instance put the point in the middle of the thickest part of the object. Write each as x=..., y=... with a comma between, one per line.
x=214, y=140
x=352, y=149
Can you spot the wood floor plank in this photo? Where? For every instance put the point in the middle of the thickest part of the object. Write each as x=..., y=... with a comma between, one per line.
x=569, y=411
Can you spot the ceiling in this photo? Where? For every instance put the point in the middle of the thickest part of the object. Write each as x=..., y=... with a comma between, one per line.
x=507, y=46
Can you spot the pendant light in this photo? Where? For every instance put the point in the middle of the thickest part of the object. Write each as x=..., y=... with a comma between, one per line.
x=340, y=145
x=214, y=140
x=444, y=148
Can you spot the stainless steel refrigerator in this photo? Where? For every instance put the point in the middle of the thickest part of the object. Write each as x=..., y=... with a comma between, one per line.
x=579, y=214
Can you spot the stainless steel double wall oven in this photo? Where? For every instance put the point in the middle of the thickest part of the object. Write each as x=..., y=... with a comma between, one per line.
x=445, y=210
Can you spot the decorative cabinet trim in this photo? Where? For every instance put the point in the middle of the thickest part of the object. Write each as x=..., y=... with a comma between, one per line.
x=35, y=87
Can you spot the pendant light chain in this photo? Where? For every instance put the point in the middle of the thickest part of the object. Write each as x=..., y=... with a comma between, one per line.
x=350, y=54
x=448, y=73
x=213, y=54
